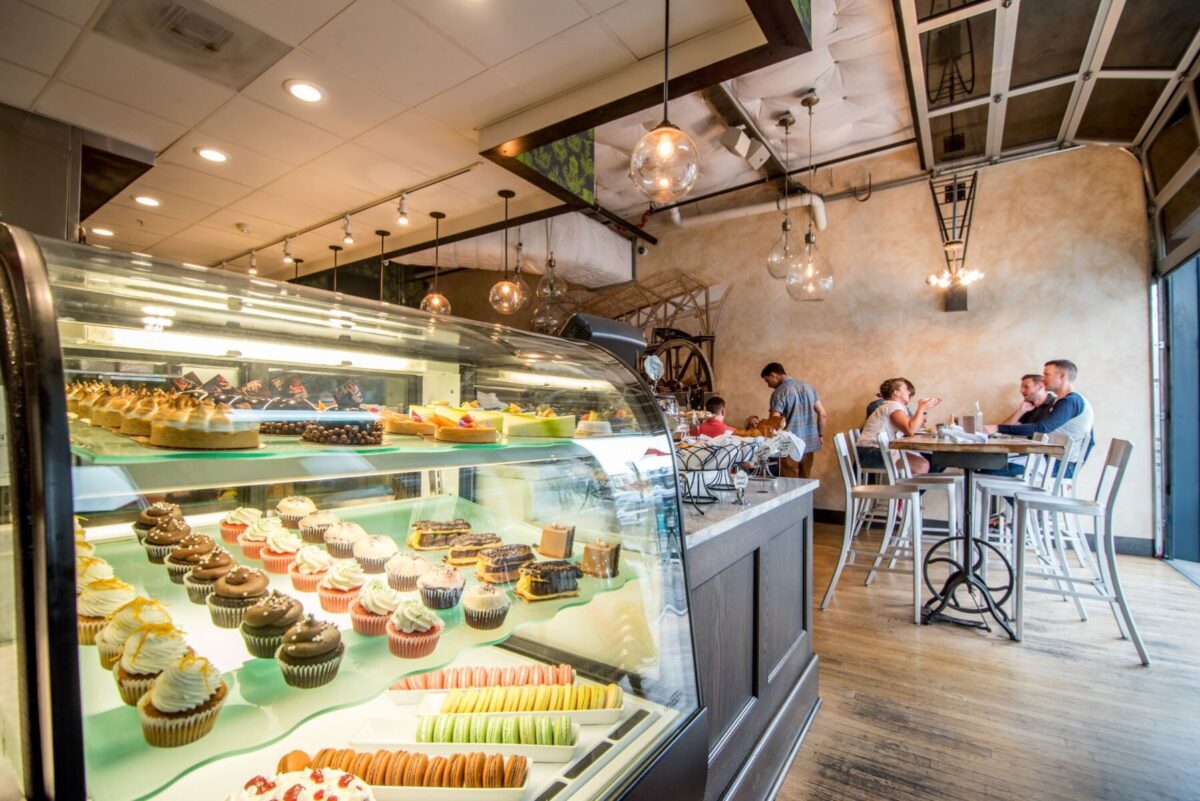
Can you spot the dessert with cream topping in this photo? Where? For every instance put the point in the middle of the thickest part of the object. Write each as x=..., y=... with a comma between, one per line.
x=312, y=527
x=254, y=538
x=294, y=507
x=202, y=425
x=341, y=585
x=376, y=603
x=413, y=631
x=237, y=521
x=183, y=703
x=341, y=537
x=234, y=593
x=98, y=602
x=267, y=621
x=373, y=551
x=310, y=653
x=280, y=550
x=145, y=654
x=130, y=617
x=404, y=569
x=309, y=567
x=204, y=575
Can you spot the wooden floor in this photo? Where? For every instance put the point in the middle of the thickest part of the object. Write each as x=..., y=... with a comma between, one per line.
x=944, y=712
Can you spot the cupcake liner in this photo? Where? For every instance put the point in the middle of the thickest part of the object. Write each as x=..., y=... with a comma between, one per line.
x=402, y=583
x=177, y=572
x=340, y=550
x=132, y=687
x=170, y=732
x=486, y=619
x=227, y=617
x=198, y=591
x=440, y=597
x=157, y=553
x=231, y=531
x=337, y=601
x=89, y=627
x=371, y=564
x=313, y=533
x=277, y=563
x=250, y=548
x=308, y=676
x=140, y=533
x=261, y=647
x=412, y=646
x=292, y=521
x=305, y=582
x=109, y=654
x=367, y=623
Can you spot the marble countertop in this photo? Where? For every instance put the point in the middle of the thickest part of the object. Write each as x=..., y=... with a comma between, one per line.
x=718, y=518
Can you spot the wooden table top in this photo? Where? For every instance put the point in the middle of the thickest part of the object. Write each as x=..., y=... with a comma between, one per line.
x=997, y=443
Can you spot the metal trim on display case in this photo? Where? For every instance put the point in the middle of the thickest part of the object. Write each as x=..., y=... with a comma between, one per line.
x=42, y=523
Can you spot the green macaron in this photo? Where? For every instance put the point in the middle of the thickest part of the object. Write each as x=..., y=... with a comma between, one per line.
x=562, y=730
x=425, y=729
x=526, y=730
x=511, y=736
x=462, y=729
x=545, y=735
x=443, y=729
x=495, y=730
x=478, y=729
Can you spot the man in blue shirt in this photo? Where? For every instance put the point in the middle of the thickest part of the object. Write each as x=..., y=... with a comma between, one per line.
x=797, y=404
x=1070, y=415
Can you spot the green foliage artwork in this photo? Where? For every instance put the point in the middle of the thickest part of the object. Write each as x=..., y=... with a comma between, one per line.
x=804, y=12
x=568, y=162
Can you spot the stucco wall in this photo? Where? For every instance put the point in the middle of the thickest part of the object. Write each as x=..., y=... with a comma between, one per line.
x=1064, y=245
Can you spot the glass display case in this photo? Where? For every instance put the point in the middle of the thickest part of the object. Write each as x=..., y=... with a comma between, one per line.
x=319, y=533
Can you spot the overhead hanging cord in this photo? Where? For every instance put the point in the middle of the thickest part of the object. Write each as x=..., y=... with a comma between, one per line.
x=666, y=57
x=505, y=239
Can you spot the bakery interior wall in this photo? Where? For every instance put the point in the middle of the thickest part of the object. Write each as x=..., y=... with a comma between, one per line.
x=1064, y=243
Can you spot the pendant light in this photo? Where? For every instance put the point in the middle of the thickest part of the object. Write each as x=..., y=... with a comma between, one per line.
x=336, y=249
x=435, y=302
x=253, y=263
x=287, y=250
x=812, y=277
x=665, y=164
x=505, y=295
x=402, y=210
x=785, y=254
x=383, y=235
x=550, y=287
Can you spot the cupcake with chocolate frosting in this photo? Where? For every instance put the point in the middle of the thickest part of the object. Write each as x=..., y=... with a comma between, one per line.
x=204, y=575
x=267, y=621
x=234, y=593
x=310, y=653
x=152, y=515
x=161, y=539
x=187, y=554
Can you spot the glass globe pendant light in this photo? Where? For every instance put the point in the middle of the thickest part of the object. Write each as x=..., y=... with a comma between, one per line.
x=435, y=302
x=784, y=256
x=811, y=278
x=551, y=287
x=665, y=163
x=523, y=291
x=505, y=296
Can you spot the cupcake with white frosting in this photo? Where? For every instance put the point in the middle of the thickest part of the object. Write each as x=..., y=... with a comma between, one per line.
x=280, y=550
x=97, y=603
x=144, y=655
x=341, y=537
x=309, y=567
x=404, y=569
x=376, y=603
x=183, y=703
x=131, y=617
x=88, y=569
x=237, y=521
x=294, y=507
x=254, y=538
x=312, y=527
x=373, y=551
x=341, y=585
x=485, y=606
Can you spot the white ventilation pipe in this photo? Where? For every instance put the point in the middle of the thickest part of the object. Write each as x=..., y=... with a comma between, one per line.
x=814, y=202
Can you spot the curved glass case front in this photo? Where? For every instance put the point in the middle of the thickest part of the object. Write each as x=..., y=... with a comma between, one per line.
x=220, y=392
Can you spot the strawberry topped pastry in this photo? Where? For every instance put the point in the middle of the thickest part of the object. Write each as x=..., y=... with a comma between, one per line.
x=467, y=429
x=411, y=424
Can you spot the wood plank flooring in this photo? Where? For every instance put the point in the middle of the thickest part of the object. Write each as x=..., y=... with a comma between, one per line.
x=945, y=712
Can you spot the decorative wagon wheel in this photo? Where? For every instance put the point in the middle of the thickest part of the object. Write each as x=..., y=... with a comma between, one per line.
x=686, y=368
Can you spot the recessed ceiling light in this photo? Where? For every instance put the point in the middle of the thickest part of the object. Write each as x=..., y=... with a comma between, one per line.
x=102, y=231
x=211, y=154
x=303, y=90
x=146, y=200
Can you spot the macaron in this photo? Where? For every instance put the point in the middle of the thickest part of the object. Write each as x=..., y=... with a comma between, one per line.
x=456, y=771
x=526, y=731
x=443, y=730
x=514, y=771
x=414, y=774
x=379, y=765
x=496, y=699
x=541, y=701
x=293, y=761
x=525, y=702
x=462, y=729
x=495, y=730
x=361, y=764
x=562, y=730
x=398, y=768
x=616, y=697
x=493, y=772
x=435, y=775
x=511, y=734
x=474, y=770
x=425, y=729
x=321, y=760
x=544, y=734
x=478, y=729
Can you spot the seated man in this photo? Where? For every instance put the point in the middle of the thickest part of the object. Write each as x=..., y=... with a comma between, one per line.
x=1070, y=415
x=1036, y=401
x=715, y=426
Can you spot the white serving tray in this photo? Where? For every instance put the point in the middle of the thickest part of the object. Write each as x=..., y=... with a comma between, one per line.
x=431, y=704
x=393, y=735
x=389, y=793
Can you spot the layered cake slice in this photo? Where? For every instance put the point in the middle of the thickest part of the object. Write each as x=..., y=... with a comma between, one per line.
x=502, y=564
x=541, y=581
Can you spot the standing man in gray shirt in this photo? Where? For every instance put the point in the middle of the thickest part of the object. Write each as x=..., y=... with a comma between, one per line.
x=797, y=404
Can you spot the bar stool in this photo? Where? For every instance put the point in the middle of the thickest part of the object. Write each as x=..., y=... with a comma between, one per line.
x=1106, y=581
x=898, y=471
x=869, y=475
x=903, y=547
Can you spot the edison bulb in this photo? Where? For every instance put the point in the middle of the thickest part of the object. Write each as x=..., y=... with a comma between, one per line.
x=665, y=164
x=784, y=256
x=551, y=287
x=811, y=278
x=505, y=297
x=546, y=319
x=435, y=303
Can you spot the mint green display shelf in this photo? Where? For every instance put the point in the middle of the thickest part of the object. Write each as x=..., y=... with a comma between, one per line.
x=112, y=465
x=261, y=709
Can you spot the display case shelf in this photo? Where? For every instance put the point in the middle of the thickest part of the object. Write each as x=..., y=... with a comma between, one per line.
x=261, y=707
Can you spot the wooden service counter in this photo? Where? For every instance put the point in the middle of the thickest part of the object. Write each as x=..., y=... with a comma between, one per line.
x=750, y=575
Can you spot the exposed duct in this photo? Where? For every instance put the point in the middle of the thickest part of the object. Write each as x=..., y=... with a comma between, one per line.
x=585, y=252
x=814, y=202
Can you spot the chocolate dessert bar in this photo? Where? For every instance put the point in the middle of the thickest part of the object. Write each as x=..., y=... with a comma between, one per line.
x=436, y=535
x=502, y=564
x=600, y=559
x=557, y=541
x=541, y=581
x=465, y=548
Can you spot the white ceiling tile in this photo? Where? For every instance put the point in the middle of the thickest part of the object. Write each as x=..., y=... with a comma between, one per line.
x=417, y=141
x=32, y=38
x=245, y=166
x=445, y=198
x=284, y=211
x=125, y=238
x=123, y=218
x=475, y=103
x=286, y=20
x=113, y=70
x=76, y=11
x=19, y=86
x=258, y=127
x=487, y=179
x=230, y=240
x=318, y=191
x=108, y=117
x=177, y=207
x=596, y=6
x=261, y=230
x=194, y=184
x=639, y=24
x=569, y=59
x=498, y=29
x=391, y=49
x=348, y=108
x=195, y=252
x=365, y=169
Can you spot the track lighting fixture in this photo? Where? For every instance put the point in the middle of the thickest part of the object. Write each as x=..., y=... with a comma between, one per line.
x=253, y=263
x=287, y=251
x=402, y=210
x=347, y=232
